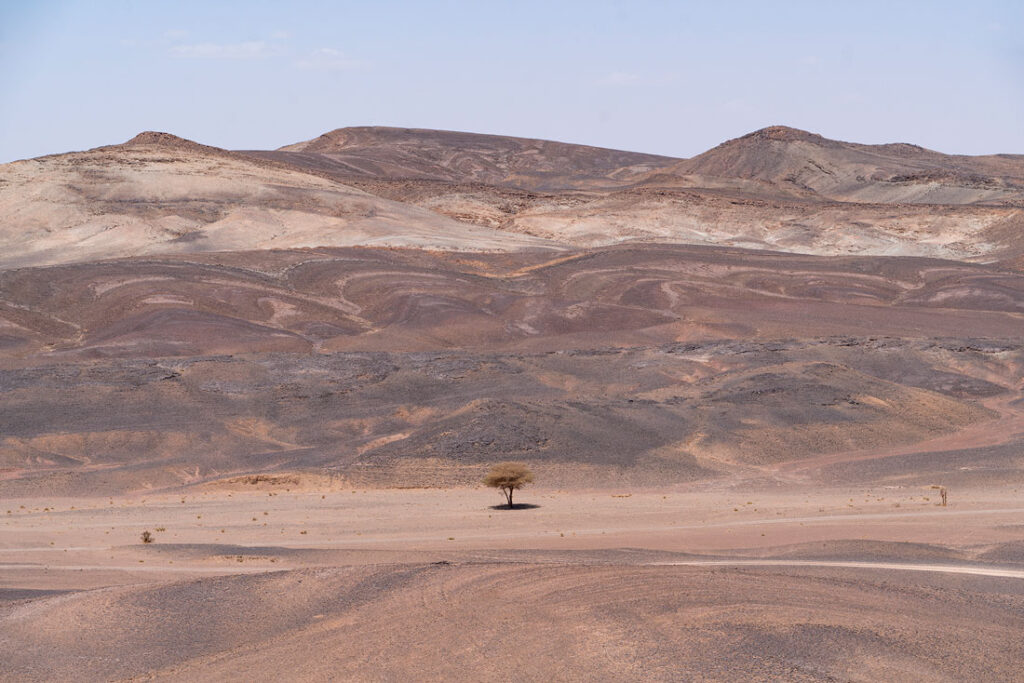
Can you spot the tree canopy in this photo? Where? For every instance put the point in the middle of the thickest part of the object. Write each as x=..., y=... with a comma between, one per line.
x=509, y=476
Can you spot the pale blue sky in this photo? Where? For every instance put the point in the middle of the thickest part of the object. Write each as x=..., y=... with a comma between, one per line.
x=666, y=77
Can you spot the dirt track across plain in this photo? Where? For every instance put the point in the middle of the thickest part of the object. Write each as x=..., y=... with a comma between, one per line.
x=939, y=568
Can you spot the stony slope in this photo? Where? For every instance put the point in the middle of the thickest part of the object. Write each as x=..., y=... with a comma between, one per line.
x=657, y=363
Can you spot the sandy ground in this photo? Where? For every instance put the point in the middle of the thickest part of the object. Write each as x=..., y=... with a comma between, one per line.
x=57, y=532
x=779, y=575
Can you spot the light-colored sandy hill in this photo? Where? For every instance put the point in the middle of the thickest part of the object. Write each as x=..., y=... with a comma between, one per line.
x=724, y=214
x=798, y=163
x=691, y=216
x=161, y=194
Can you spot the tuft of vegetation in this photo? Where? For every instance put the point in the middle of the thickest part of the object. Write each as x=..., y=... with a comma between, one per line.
x=509, y=476
x=147, y=537
x=943, y=493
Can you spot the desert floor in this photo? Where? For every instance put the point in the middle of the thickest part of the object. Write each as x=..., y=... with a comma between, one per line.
x=713, y=581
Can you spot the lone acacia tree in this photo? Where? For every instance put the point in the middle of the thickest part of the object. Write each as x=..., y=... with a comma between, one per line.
x=508, y=476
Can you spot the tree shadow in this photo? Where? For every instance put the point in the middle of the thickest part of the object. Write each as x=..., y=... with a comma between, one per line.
x=515, y=506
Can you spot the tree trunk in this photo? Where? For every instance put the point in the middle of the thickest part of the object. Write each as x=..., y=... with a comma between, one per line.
x=508, y=494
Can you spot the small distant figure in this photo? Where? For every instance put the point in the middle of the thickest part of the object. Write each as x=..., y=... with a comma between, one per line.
x=509, y=476
x=942, y=493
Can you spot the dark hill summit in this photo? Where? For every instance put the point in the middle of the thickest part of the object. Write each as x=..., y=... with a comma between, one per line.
x=420, y=154
x=794, y=161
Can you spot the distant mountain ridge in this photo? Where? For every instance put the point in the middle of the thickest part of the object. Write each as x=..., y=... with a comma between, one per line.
x=776, y=189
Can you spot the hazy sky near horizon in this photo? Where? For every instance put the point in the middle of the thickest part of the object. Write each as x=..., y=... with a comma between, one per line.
x=673, y=78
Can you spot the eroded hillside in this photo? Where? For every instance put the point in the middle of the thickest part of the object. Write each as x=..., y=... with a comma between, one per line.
x=656, y=363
